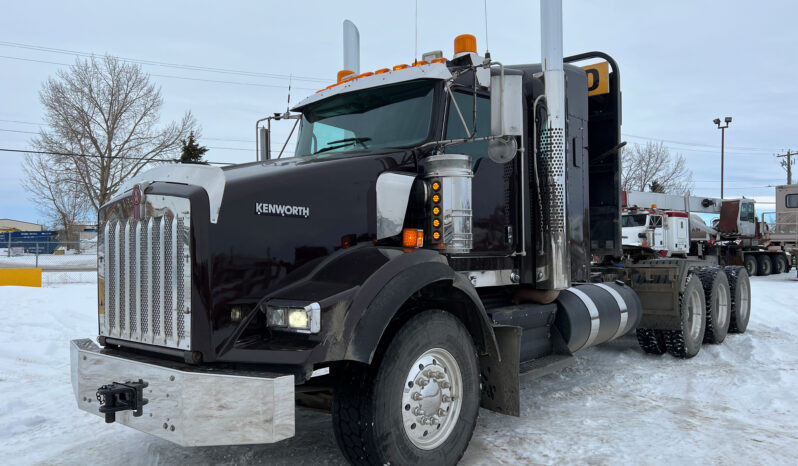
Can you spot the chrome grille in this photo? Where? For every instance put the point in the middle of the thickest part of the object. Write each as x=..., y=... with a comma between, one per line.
x=144, y=271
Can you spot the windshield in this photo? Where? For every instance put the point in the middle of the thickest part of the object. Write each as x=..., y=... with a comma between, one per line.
x=636, y=220
x=398, y=115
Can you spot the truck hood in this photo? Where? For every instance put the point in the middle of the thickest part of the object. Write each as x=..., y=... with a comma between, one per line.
x=279, y=215
x=630, y=236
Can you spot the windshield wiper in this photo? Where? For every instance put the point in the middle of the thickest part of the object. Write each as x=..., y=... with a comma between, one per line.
x=347, y=142
x=355, y=140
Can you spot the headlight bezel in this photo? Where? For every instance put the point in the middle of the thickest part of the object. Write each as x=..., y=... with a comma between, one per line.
x=279, y=317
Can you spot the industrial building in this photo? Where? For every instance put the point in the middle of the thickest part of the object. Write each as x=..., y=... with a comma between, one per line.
x=7, y=224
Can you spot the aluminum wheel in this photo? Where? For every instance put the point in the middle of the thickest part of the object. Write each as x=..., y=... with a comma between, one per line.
x=723, y=306
x=695, y=317
x=431, y=398
x=745, y=306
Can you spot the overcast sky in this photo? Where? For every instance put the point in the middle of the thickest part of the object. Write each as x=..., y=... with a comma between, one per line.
x=683, y=63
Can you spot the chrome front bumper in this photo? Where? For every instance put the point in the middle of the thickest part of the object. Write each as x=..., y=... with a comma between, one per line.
x=189, y=406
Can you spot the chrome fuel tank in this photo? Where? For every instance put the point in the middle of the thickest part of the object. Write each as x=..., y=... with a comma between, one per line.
x=595, y=313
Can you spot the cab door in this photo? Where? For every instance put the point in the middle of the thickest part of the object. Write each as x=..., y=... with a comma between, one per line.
x=655, y=223
x=747, y=223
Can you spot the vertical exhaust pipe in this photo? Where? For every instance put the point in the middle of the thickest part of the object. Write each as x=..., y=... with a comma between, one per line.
x=556, y=273
x=351, y=47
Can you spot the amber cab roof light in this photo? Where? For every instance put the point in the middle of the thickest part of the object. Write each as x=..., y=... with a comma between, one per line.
x=465, y=43
x=343, y=74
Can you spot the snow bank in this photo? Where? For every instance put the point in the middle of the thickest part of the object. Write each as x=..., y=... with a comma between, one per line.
x=733, y=403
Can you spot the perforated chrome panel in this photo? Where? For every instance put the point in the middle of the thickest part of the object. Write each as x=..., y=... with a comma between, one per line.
x=552, y=189
x=144, y=268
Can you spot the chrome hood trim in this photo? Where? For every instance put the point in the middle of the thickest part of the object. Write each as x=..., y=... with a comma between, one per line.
x=211, y=179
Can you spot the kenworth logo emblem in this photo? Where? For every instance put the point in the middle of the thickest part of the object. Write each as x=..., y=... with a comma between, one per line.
x=136, y=198
x=283, y=210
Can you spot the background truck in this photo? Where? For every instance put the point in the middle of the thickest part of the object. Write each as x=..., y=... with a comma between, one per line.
x=782, y=225
x=432, y=240
x=666, y=225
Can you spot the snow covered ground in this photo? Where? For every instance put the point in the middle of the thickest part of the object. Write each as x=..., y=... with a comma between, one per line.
x=733, y=403
x=84, y=260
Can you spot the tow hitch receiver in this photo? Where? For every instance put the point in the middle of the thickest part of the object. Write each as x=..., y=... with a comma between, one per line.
x=122, y=397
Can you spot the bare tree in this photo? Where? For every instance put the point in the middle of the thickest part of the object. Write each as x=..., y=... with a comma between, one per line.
x=107, y=111
x=60, y=199
x=652, y=167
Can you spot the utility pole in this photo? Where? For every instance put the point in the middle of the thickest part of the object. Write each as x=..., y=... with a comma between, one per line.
x=722, y=129
x=787, y=164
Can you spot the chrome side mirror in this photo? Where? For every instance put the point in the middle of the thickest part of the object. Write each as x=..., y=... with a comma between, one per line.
x=506, y=116
x=502, y=150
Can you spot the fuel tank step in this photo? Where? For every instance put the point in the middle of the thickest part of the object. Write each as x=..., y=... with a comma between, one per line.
x=595, y=313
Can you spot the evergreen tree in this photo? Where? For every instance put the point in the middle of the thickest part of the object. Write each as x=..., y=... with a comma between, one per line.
x=192, y=152
x=656, y=187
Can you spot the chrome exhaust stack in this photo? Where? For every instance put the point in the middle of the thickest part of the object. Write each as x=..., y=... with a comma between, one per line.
x=351, y=47
x=555, y=271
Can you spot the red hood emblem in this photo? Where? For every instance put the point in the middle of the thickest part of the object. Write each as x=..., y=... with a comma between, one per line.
x=136, y=198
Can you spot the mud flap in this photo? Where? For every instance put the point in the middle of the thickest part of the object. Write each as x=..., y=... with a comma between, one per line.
x=501, y=384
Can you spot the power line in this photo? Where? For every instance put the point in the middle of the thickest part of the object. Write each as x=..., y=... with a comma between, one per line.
x=695, y=144
x=18, y=131
x=23, y=122
x=202, y=138
x=209, y=69
x=217, y=81
x=248, y=141
x=116, y=157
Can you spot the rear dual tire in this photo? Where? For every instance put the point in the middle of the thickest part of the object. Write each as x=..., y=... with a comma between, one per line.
x=740, y=292
x=651, y=341
x=780, y=264
x=718, y=303
x=686, y=342
x=750, y=264
x=764, y=265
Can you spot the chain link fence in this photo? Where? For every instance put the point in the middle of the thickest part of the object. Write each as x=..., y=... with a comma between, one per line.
x=60, y=261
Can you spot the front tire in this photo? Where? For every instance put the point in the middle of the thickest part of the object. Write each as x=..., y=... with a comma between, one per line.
x=418, y=404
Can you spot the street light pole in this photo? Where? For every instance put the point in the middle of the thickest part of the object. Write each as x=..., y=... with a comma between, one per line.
x=722, y=129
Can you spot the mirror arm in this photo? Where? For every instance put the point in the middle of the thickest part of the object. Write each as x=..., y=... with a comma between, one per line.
x=474, y=117
x=289, y=137
x=459, y=113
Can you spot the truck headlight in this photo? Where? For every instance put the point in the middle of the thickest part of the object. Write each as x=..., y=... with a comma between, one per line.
x=305, y=319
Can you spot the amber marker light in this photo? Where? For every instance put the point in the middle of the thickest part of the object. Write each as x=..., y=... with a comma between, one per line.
x=436, y=210
x=439, y=60
x=421, y=62
x=436, y=235
x=436, y=223
x=436, y=186
x=465, y=43
x=382, y=70
x=436, y=198
x=400, y=67
x=412, y=238
x=343, y=74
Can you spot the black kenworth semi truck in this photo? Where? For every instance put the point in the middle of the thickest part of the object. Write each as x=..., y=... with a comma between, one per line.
x=442, y=229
